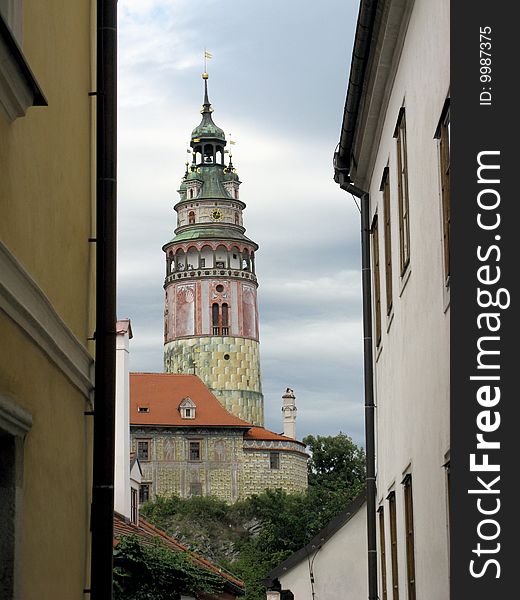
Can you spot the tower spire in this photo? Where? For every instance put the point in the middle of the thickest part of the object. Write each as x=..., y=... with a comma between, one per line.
x=206, y=107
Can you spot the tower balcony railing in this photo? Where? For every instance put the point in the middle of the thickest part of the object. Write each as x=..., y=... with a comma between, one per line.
x=211, y=272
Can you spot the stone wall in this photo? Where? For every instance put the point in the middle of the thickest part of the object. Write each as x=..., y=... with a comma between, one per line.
x=258, y=475
x=229, y=366
x=230, y=468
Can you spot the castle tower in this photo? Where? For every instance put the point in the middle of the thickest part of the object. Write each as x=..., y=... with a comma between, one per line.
x=289, y=411
x=211, y=314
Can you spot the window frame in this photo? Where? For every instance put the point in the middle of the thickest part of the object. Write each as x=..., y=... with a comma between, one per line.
x=134, y=505
x=409, y=537
x=274, y=465
x=199, y=445
x=403, y=198
x=376, y=277
x=142, y=486
x=145, y=441
x=392, y=510
x=443, y=135
x=382, y=551
x=387, y=221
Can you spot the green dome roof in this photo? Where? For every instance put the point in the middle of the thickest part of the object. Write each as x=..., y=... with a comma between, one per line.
x=211, y=233
x=207, y=129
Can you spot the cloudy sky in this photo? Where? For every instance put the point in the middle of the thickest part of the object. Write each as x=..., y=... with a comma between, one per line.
x=277, y=83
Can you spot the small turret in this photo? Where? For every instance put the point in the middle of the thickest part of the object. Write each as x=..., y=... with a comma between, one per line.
x=289, y=413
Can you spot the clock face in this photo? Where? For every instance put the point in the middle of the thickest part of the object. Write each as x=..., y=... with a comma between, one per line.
x=216, y=214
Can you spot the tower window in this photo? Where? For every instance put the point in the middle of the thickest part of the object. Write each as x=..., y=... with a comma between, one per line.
x=219, y=288
x=215, y=319
x=143, y=409
x=225, y=319
x=191, y=217
x=202, y=262
x=274, y=460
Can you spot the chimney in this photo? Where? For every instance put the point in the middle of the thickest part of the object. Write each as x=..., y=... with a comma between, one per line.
x=289, y=413
x=122, y=501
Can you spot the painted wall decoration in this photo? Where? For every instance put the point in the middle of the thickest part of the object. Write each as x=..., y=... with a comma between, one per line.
x=185, y=310
x=249, y=311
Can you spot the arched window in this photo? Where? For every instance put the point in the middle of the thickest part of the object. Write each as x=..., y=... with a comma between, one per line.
x=225, y=319
x=215, y=319
x=237, y=218
x=191, y=217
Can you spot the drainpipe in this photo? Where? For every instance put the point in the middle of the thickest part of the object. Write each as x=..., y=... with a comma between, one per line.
x=366, y=275
x=104, y=408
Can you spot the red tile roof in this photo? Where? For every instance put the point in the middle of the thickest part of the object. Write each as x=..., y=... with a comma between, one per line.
x=260, y=433
x=148, y=533
x=162, y=393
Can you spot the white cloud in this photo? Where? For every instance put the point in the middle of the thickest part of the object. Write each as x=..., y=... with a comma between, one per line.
x=286, y=127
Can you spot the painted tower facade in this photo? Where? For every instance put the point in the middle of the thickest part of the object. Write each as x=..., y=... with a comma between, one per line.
x=211, y=312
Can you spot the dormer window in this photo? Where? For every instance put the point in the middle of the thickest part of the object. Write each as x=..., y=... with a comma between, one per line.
x=187, y=408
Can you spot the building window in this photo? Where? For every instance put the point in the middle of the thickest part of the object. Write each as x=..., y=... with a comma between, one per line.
x=382, y=551
x=187, y=408
x=402, y=191
x=195, y=489
x=215, y=319
x=385, y=188
x=143, y=450
x=225, y=319
x=194, y=451
x=410, y=548
x=443, y=135
x=377, y=280
x=202, y=262
x=447, y=468
x=15, y=424
x=274, y=460
x=143, y=409
x=133, y=506
x=191, y=218
x=144, y=492
x=393, y=545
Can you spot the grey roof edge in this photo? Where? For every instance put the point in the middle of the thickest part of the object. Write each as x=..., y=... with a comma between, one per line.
x=360, y=57
x=319, y=539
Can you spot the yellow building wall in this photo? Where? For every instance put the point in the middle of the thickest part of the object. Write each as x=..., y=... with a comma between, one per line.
x=45, y=183
x=46, y=199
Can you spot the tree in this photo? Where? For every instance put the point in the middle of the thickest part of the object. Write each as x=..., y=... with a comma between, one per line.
x=336, y=463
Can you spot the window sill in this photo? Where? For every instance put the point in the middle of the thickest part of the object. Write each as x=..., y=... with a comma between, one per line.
x=379, y=349
x=389, y=319
x=404, y=279
x=446, y=294
x=18, y=87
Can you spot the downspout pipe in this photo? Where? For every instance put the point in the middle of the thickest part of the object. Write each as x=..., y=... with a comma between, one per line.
x=102, y=519
x=368, y=364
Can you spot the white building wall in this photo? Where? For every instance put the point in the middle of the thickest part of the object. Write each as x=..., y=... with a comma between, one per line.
x=122, y=433
x=340, y=566
x=412, y=362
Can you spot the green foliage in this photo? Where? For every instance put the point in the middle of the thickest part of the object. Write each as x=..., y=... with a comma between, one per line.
x=336, y=463
x=266, y=528
x=155, y=572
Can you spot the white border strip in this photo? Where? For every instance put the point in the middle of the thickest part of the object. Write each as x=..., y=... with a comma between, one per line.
x=29, y=308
